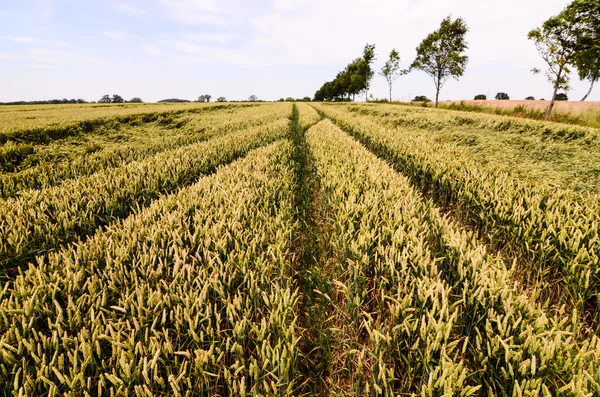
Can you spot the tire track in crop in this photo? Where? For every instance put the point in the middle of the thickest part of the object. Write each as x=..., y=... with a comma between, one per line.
x=309, y=247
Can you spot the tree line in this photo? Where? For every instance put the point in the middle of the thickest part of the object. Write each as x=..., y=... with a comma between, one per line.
x=63, y=101
x=503, y=96
x=569, y=40
x=208, y=97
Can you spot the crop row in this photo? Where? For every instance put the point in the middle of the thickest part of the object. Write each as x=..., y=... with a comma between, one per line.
x=40, y=221
x=308, y=116
x=190, y=296
x=554, y=233
x=145, y=141
x=421, y=307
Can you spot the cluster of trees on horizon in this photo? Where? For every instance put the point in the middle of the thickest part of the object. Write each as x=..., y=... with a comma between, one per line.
x=63, y=101
x=569, y=40
x=106, y=99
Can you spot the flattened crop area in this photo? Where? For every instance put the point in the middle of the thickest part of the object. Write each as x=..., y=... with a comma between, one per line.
x=280, y=249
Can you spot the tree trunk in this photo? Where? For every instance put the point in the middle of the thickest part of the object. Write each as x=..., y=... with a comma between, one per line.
x=549, y=113
x=437, y=97
x=589, y=92
x=390, y=93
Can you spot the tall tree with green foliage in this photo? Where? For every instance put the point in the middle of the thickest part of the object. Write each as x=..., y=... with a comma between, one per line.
x=584, y=16
x=391, y=70
x=365, y=70
x=441, y=54
x=557, y=43
x=352, y=81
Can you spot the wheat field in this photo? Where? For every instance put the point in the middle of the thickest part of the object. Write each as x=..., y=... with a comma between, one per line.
x=297, y=249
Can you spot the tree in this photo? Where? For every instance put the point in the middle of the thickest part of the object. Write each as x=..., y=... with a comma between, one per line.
x=557, y=43
x=391, y=70
x=530, y=98
x=208, y=97
x=502, y=96
x=480, y=97
x=306, y=99
x=135, y=100
x=584, y=16
x=421, y=98
x=365, y=70
x=252, y=98
x=221, y=99
x=105, y=99
x=562, y=96
x=441, y=54
x=351, y=81
x=117, y=99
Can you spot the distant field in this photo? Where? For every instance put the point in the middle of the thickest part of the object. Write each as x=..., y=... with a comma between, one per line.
x=579, y=113
x=561, y=106
x=282, y=249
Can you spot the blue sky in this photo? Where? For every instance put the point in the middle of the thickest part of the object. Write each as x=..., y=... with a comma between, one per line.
x=159, y=49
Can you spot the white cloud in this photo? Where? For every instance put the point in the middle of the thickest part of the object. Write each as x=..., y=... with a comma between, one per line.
x=197, y=12
x=25, y=40
x=300, y=33
x=215, y=38
x=63, y=44
x=118, y=35
x=38, y=41
x=153, y=49
x=42, y=10
x=130, y=9
x=41, y=56
x=315, y=32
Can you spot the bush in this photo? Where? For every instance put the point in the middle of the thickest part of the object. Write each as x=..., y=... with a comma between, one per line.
x=421, y=98
x=502, y=96
x=173, y=100
x=530, y=98
x=562, y=97
x=480, y=97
